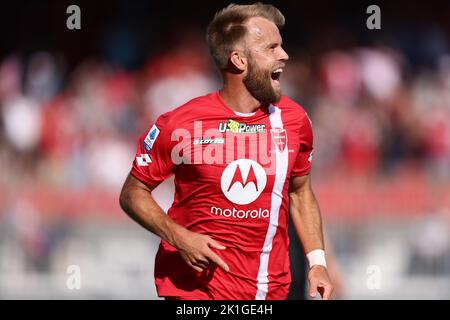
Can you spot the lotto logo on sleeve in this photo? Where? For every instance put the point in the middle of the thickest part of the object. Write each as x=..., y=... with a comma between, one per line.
x=151, y=137
x=143, y=160
x=310, y=156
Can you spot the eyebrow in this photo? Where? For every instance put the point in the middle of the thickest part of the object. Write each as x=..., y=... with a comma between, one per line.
x=270, y=44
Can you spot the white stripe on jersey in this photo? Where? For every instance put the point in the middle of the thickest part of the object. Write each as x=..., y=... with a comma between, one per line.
x=282, y=160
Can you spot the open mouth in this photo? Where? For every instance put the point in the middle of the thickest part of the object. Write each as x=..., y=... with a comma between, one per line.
x=276, y=74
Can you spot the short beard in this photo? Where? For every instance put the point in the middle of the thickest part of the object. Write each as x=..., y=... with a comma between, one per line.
x=258, y=83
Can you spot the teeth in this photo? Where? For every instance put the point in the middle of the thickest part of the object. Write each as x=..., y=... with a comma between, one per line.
x=279, y=70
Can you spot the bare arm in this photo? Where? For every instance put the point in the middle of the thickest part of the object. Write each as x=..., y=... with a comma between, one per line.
x=307, y=221
x=305, y=213
x=136, y=200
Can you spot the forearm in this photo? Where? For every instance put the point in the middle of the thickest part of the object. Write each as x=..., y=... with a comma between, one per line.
x=306, y=217
x=139, y=205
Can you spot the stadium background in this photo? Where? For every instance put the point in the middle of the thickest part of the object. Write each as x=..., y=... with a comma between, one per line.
x=73, y=102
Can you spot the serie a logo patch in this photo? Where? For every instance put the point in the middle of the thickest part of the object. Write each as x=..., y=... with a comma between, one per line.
x=151, y=137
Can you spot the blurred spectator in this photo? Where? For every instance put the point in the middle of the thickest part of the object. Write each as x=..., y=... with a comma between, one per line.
x=430, y=252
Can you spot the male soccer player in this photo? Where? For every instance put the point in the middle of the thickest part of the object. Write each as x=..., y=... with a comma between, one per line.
x=241, y=159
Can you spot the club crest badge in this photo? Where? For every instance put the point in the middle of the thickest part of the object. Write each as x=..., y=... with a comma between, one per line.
x=279, y=137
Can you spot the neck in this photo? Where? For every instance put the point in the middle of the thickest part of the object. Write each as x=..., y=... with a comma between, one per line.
x=236, y=97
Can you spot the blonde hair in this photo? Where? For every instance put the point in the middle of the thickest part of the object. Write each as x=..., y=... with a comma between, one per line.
x=228, y=28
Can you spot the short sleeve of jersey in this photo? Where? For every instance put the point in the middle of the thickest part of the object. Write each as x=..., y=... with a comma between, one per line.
x=153, y=163
x=302, y=165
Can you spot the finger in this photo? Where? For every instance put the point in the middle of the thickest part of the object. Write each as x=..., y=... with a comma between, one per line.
x=313, y=288
x=214, y=244
x=216, y=259
x=190, y=261
x=328, y=291
x=196, y=268
x=202, y=263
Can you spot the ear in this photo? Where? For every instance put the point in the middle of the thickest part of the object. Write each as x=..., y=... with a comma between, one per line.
x=239, y=60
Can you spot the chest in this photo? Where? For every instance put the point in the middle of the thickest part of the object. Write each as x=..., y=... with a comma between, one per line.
x=224, y=150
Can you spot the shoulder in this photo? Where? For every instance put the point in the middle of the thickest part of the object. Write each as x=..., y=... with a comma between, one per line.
x=191, y=110
x=292, y=109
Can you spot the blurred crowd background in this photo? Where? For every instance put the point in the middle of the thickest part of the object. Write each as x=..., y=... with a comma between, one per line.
x=73, y=103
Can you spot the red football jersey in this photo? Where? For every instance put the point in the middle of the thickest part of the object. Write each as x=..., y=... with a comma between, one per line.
x=232, y=175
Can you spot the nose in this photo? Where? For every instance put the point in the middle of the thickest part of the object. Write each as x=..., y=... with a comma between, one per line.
x=283, y=56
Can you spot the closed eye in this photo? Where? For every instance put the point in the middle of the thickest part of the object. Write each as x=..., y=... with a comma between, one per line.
x=273, y=46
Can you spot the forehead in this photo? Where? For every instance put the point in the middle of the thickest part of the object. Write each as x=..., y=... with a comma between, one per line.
x=262, y=31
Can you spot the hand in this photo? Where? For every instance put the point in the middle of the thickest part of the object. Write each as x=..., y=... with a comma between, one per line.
x=195, y=249
x=319, y=281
